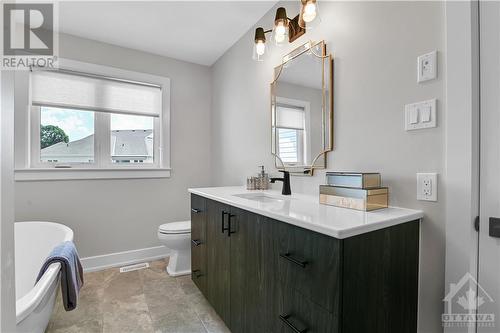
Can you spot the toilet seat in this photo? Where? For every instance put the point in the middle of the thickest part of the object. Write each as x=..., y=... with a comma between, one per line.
x=183, y=227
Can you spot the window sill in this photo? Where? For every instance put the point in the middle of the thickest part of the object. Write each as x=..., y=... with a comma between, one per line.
x=41, y=174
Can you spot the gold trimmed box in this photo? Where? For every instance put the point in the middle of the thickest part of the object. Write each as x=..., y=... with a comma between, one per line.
x=354, y=198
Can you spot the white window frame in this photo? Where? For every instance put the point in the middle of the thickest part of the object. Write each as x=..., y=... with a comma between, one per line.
x=102, y=168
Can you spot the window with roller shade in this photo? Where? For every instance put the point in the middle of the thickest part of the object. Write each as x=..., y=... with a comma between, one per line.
x=290, y=127
x=94, y=121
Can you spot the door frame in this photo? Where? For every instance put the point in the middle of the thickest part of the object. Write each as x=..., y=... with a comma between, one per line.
x=488, y=265
x=7, y=257
x=461, y=142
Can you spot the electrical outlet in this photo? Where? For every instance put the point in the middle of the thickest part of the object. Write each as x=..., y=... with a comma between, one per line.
x=427, y=67
x=427, y=186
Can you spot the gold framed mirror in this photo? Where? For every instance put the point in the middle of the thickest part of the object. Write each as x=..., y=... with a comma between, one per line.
x=302, y=109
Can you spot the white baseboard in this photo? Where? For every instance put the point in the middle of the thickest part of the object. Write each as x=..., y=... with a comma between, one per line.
x=98, y=263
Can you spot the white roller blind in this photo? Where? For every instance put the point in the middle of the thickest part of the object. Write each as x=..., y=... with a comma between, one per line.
x=52, y=88
x=290, y=117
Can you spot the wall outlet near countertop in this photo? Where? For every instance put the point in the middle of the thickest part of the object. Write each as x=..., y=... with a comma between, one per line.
x=427, y=186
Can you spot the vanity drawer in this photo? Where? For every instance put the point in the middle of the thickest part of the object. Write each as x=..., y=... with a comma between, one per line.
x=295, y=313
x=310, y=263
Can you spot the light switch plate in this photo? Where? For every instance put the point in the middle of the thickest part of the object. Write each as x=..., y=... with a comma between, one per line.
x=427, y=186
x=421, y=115
x=427, y=67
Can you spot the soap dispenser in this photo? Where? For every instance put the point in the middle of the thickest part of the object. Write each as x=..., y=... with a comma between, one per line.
x=263, y=179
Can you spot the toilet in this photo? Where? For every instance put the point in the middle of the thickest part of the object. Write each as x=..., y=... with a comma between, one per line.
x=177, y=237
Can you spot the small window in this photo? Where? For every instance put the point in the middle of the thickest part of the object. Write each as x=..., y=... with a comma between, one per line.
x=290, y=129
x=66, y=135
x=132, y=139
x=289, y=144
x=87, y=120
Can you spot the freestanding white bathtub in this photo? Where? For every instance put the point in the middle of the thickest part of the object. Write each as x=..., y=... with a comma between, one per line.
x=35, y=302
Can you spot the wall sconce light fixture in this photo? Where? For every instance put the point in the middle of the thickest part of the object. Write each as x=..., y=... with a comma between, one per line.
x=286, y=29
x=259, y=48
x=308, y=13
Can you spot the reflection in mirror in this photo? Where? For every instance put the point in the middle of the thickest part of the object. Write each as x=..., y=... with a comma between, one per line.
x=302, y=113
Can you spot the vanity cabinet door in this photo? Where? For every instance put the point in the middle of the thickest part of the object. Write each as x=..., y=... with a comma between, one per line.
x=218, y=255
x=253, y=267
x=380, y=280
x=198, y=242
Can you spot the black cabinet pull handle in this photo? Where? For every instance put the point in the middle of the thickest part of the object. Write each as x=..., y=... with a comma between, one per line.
x=196, y=211
x=229, y=232
x=197, y=273
x=224, y=228
x=284, y=318
x=288, y=256
x=196, y=242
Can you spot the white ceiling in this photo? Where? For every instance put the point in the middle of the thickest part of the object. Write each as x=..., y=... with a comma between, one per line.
x=194, y=31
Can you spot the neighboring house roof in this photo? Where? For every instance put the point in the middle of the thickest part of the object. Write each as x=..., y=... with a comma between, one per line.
x=82, y=147
x=130, y=143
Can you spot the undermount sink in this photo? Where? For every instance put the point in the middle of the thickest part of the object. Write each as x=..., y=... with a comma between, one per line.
x=260, y=197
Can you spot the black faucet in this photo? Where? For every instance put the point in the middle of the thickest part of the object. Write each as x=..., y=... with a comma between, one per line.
x=286, y=182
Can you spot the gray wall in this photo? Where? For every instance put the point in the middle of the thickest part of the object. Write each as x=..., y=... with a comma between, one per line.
x=119, y=215
x=375, y=46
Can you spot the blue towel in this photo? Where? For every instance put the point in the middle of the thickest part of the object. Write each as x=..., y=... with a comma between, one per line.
x=71, y=272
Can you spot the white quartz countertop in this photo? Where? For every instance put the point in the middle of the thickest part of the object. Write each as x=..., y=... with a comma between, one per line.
x=305, y=211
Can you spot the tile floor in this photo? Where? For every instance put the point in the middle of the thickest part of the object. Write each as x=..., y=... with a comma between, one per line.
x=146, y=300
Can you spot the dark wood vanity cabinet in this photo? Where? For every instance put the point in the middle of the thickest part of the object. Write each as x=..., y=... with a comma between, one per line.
x=263, y=275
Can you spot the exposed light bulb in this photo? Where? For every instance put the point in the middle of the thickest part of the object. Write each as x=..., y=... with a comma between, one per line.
x=280, y=30
x=260, y=47
x=309, y=12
